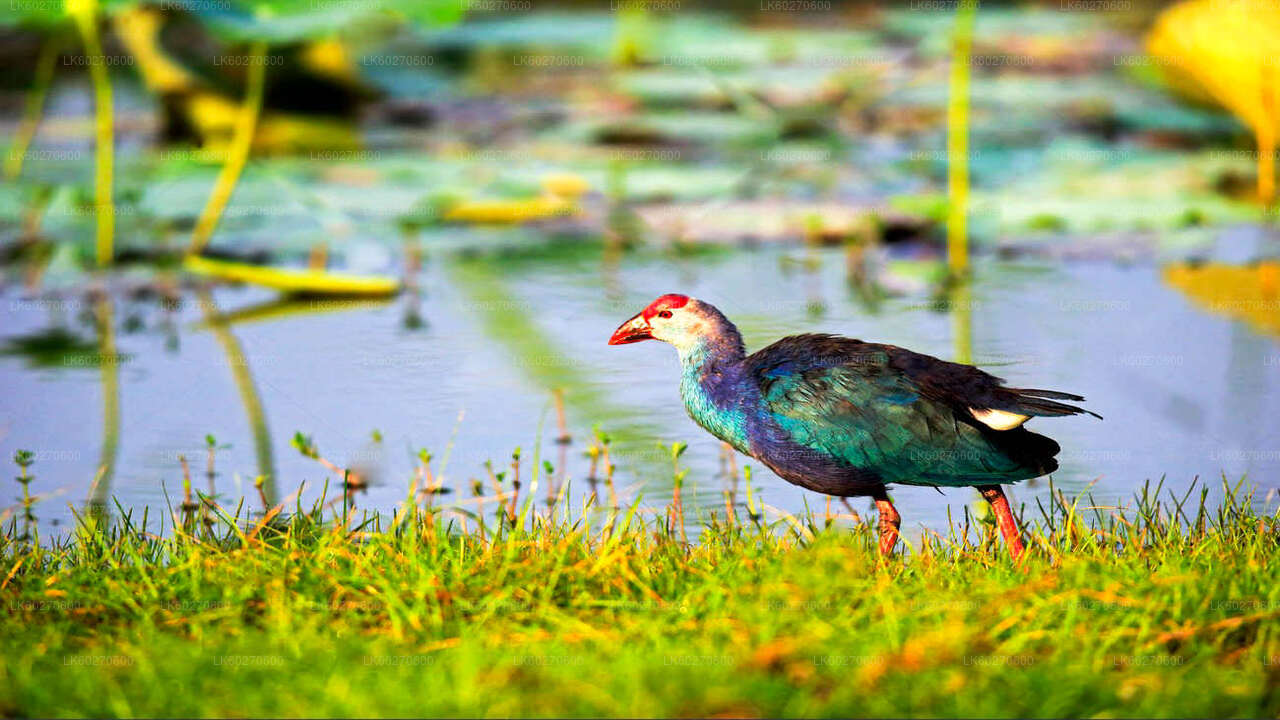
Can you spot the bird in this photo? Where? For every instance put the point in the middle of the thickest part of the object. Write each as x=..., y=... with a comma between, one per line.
x=847, y=418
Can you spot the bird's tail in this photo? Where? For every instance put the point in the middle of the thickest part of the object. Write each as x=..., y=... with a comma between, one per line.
x=1029, y=401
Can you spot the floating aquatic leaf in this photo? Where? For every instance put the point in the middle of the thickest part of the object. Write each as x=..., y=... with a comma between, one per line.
x=293, y=281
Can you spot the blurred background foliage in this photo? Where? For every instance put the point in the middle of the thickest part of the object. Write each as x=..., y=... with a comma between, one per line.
x=338, y=147
x=1117, y=129
x=1073, y=125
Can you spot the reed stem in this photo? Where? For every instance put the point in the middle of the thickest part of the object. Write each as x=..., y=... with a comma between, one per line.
x=237, y=153
x=33, y=109
x=109, y=365
x=85, y=15
x=958, y=140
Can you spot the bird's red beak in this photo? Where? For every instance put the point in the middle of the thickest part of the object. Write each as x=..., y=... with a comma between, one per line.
x=633, y=330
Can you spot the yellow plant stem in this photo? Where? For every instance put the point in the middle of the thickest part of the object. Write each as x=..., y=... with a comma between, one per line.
x=958, y=140
x=1265, y=129
x=34, y=107
x=237, y=152
x=1266, y=135
x=1266, y=165
x=86, y=19
x=961, y=300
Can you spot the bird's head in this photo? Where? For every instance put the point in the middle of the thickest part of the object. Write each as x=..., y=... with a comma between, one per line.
x=679, y=320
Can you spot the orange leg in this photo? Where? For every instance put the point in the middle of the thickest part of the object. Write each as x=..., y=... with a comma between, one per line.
x=890, y=521
x=994, y=495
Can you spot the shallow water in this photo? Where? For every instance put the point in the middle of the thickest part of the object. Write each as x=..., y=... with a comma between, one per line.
x=1184, y=393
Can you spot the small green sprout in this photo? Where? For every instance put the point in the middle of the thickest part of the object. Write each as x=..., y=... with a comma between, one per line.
x=25, y=459
x=304, y=445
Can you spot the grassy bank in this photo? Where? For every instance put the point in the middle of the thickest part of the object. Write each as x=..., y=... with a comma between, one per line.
x=1153, y=610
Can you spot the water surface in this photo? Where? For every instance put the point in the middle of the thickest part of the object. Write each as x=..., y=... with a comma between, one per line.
x=466, y=367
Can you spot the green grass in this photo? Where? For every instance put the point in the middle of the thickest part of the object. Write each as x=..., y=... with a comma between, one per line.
x=1158, y=609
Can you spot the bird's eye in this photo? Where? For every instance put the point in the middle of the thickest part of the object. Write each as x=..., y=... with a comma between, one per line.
x=664, y=314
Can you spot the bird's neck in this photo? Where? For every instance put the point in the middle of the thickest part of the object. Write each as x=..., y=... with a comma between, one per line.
x=720, y=348
x=714, y=384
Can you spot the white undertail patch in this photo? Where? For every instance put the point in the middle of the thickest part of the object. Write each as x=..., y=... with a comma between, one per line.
x=998, y=419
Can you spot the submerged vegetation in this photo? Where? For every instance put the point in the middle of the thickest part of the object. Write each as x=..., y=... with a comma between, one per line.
x=577, y=606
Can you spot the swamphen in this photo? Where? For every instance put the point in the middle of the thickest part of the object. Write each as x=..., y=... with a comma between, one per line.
x=846, y=417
